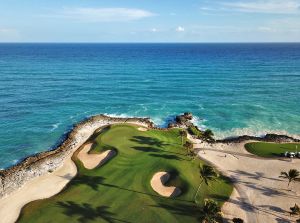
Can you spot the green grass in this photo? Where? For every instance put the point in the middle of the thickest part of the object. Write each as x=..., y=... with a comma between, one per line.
x=265, y=149
x=120, y=190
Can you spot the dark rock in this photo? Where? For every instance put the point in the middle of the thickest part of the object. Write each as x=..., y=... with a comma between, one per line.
x=188, y=115
x=171, y=125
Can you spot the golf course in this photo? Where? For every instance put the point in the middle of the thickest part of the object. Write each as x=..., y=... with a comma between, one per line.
x=269, y=150
x=119, y=190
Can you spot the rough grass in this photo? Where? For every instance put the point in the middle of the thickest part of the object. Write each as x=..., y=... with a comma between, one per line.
x=120, y=190
x=265, y=149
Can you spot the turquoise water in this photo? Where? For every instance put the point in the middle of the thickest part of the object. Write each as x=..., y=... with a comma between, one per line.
x=231, y=88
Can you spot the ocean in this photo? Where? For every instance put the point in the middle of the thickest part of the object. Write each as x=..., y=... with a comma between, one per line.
x=233, y=89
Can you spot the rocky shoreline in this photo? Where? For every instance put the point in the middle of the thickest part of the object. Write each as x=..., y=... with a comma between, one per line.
x=267, y=138
x=14, y=177
x=44, y=162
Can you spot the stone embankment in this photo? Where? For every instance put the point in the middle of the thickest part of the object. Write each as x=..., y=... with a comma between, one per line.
x=44, y=162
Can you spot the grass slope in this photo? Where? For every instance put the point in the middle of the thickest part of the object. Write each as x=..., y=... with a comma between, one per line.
x=120, y=190
x=265, y=149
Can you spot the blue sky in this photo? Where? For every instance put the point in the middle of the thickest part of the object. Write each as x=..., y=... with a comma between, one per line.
x=150, y=21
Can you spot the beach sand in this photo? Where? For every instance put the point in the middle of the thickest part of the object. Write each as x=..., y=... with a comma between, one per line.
x=142, y=129
x=39, y=188
x=259, y=195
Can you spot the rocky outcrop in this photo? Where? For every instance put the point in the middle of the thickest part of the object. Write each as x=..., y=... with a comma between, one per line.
x=266, y=138
x=182, y=121
x=41, y=163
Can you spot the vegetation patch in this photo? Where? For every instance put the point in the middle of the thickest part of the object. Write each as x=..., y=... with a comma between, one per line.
x=120, y=190
x=193, y=130
x=265, y=149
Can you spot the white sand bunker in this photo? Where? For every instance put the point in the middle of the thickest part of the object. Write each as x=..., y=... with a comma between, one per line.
x=157, y=183
x=142, y=129
x=90, y=161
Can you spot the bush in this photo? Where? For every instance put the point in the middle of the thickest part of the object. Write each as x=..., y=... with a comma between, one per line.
x=237, y=220
x=193, y=130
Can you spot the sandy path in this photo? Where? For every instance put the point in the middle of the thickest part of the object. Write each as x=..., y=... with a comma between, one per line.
x=260, y=196
x=157, y=183
x=90, y=161
x=39, y=188
x=142, y=129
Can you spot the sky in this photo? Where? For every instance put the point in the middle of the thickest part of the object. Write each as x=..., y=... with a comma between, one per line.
x=150, y=21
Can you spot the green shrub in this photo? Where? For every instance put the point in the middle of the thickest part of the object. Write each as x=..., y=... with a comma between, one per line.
x=193, y=130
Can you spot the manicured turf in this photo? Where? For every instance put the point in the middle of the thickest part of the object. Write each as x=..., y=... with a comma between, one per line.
x=120, y=190
x=265, y=149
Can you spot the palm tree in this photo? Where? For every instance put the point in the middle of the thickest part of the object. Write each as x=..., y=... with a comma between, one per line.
x=207, y=173
x=208, y=134
x=292, y=175
x=189, y=147
x=182, y=134
x=295, y=210
x=237, y=220
x=211, y=211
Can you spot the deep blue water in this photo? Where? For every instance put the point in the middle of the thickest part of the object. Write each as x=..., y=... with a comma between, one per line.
x=232, y=88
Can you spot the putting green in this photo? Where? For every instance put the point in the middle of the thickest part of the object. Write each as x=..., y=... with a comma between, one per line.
x=265, y=149
x=120, y=190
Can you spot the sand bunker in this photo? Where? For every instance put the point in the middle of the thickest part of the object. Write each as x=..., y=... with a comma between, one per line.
x=142, y=129
x=157, y=183
x=90, y=161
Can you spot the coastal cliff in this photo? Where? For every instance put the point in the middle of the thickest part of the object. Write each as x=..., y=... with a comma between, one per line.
x=44, y=162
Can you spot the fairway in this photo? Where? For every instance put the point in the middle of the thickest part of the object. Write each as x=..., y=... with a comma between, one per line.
x=120, y=190
x=265, y=149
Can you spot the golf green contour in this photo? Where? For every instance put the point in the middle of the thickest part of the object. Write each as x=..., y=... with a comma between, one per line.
x=119, y=190
x=270, y=150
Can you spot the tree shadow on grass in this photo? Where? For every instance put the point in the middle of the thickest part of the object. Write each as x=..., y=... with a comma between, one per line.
x=155, y=150
x=146, y=149
x=168, y=156
x=146, y=194
x=182, y=209
x=86, y=212
x=90, y=181
x=148, y=141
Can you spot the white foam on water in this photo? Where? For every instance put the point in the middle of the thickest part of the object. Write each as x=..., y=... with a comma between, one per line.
x=158, y=121
x=117, y=115
x=251, y=132
x=122, y=115
x=55, y=126
x=199, y=122
x=15, y=161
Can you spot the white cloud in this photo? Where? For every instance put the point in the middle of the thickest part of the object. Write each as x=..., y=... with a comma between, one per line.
x=265, y=6
x=7, y=34
x=265, y=29
x=104, y=14
x=5, y=30
x=180, y=29
x=154, y=30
